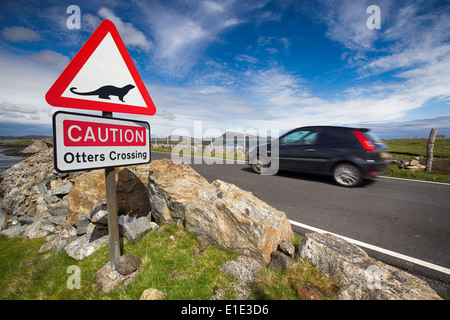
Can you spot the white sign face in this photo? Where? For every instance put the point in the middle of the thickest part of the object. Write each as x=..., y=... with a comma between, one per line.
x=85, y=142
x=105, y=67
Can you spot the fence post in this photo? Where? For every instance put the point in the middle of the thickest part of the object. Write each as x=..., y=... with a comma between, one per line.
x=430, y=148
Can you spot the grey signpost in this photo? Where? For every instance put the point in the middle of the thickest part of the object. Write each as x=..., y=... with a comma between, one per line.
x=111, y=205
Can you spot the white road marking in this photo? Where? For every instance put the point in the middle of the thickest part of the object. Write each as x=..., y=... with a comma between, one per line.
x=423, y=181
x=378, y=249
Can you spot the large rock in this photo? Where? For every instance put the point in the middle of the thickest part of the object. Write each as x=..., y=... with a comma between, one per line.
x=360, y=276
x=171, y=186
x=23, y=186
x=89, y=190
x=220, y=213
x=36, y=147
x=87, y=244
x=135, y=229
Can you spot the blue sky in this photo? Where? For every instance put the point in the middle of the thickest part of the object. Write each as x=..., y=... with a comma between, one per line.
x=241, y=65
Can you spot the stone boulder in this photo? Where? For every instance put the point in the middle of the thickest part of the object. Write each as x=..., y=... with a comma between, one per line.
x=243, y=268
x=36, y=147
x=171, y=187
x=152, y=294
x=279, y=261
x=109, y=279
x=134, y=229
x=127, y=264
x=89, y=190
x=87, y=244
x=220, y=213
x=361, y=277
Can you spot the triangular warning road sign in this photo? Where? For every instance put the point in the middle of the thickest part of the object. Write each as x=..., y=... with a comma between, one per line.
x=102, y=77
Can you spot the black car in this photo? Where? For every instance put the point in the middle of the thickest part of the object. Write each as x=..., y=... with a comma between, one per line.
x=347, y=154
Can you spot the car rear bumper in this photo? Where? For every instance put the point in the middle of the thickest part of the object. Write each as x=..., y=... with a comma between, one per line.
x=371, y=169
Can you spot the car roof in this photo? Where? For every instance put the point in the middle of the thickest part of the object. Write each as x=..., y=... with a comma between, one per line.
x=332, y=127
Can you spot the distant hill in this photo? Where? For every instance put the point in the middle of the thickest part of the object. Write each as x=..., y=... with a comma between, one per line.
x=237, y=135
x=28, y=137
x=225, y=135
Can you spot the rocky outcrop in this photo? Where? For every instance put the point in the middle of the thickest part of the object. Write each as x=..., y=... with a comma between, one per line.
x=219, y=213
x=361, y=277
x=36, y=147
x=410, y=164
x=89, y=190
x=67, y=209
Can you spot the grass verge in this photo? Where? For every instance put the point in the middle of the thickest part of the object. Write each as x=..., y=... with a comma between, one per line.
x=168, y=265
x=396, y=172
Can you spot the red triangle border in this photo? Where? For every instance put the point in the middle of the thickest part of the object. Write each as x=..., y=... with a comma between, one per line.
x=54, y=94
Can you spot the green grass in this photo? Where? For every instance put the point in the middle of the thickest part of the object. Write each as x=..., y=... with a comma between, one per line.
x=16, y=142
x=419, y=147
x=396, y=172
x=406, y=149
x=169, y=266
x=272, y=285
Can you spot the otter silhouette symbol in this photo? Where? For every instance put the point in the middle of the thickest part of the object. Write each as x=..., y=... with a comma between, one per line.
x=106, y=91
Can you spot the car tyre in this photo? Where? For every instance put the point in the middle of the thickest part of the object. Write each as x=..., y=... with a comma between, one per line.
x=347, y=175
x=261, y=165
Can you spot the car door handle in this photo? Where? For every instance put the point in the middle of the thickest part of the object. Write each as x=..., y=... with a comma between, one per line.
x=310, y=150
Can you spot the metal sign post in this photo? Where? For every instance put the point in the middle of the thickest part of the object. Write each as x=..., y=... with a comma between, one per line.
x=111, y=205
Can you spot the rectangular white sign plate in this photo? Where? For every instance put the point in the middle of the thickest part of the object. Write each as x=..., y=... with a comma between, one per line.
x=86, y=142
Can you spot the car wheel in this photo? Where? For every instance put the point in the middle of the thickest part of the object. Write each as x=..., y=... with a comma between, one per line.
x=260, y=166
x=347, y=175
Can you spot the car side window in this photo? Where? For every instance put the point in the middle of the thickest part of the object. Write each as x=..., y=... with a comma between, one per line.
x=301, y=137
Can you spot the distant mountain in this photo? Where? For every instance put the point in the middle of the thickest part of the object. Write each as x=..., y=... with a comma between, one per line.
x=237, y=135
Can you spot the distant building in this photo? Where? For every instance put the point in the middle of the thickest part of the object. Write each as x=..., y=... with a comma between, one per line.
x=440, y=136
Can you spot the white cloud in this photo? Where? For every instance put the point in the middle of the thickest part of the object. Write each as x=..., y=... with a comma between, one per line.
x=182, y=31
x=130, y=35
x=23, y=85
x=52, y=59
x=232, y=22
x=213, y=6
x=20, y=34
x=246, y=58
x=18, y=111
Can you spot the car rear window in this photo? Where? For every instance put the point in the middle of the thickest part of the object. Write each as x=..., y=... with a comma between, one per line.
x=372, y=137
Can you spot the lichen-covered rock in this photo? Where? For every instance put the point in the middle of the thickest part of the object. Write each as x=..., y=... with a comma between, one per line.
x=361, y=277
x=89, y=190
x=220, y=213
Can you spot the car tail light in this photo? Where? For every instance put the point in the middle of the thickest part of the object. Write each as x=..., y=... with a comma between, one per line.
x=365, y=142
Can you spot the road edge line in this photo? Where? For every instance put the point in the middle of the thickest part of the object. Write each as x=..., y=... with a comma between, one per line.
x=424, y=181
x=378, y=249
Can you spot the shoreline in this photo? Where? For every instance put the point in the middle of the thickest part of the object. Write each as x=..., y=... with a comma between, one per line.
x=13, y=150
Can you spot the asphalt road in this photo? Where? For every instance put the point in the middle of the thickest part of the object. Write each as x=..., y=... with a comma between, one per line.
x=399, y=220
